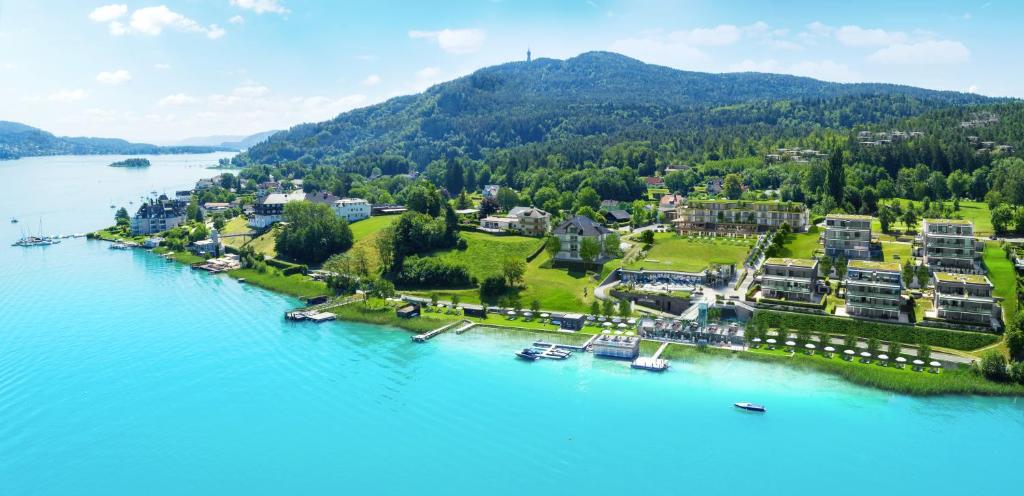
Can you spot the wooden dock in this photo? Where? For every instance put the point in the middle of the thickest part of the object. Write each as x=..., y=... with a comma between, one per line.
x=654, y=362
x=423, y=338
x=549, y=353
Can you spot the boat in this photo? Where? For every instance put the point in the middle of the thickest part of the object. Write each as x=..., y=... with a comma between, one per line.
x=14, y=221
x=527, y=354
x=753, y=407
x=36, y=241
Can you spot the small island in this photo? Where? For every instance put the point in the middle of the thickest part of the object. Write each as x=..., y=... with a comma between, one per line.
x=133, y=163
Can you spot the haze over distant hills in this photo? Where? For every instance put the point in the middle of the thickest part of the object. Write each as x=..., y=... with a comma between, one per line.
x=238, y=142
x=19, y=140
x=597, y=96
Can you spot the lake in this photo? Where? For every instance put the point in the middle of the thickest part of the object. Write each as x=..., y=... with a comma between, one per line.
x=121, y=373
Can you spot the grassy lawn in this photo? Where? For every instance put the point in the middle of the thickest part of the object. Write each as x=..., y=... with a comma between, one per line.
x=976, y=212
x=896, y=252
x=921, y=305
x=1003, y=276
x=237, y=225
x=184, y=257
x=485, y=252
x=295, y=285
x=802, y=245
x=673, y=252
x=555, y=289
x=264, y=243
x=363, y=228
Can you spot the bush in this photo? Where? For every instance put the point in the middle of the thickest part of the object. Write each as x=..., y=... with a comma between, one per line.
x=287, y=268
x=492, y=287
x=432, y=272
x=1017, y=372
x=993, y=366
x=959, y=340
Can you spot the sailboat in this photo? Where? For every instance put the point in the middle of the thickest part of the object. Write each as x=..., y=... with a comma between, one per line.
x=39, y=240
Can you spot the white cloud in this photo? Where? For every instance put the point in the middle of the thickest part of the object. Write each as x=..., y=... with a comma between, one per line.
x=65, y=96
x=457, y=41
x=151, y=21
x=858, y=36
x=817, y=28
x=724, y=34
x=108, y=13
x=261, y=6
x=929, y=52
x=237, y=20
x=251, y=90
x=161, y=67
x=826, y=70
x=176, y=100
x=113, y=77
x=371, y=80
x=428, y=73
x=972, y=88
x=668, y=51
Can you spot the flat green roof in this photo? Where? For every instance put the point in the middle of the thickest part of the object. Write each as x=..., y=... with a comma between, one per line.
x=962, y=222
x=848, y=216
x=874, y=265
x=795, y=262
x=964, y=278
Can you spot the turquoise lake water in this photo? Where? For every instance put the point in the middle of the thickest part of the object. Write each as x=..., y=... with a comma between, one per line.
x=121, y=373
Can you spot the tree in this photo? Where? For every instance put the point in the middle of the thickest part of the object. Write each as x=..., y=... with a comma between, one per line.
x=993, y=366
x=507, y=198
x=895, y=349
x=924, y=352
x=886, y=216
x=385, y=245
x=835, y=176
x=908, y=273
x=732, y=186
x=121, y=217
x=841, y=267
x=873, y=346
x=491, y=288
x=383, y=288
x=850, y=341
x=535, y=306
x=611, y=245
x=588, y=197
x=1017, y=372
x=624, y=308
x=513, y=269
x=590, y=250
x=910, y=217
x=552, y=245
x=922, y=274
x=607, y=307
x=1002, y=215
x=455, y=300
x=1015, y=342
x=647, y=237
x=595, y=308
x=312, y=233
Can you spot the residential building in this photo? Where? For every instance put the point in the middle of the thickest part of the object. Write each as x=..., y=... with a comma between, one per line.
x=214, y=207
x=742, y=216
x=387, y=209
x=949, y=244
x=714, y=185
x=668, y=204
x=183, y=196
x=965, y=298
x=490, y=191
x=499, y=223
x=874, y=289
x=618, y=216
x=532, y=221
x=352, y=209
x=270, y=208
x=322, y=197
x=848, y=236
x=571, y=234
x=790, y=279
x=654, y=182
x=210, y=247
x=157, y=215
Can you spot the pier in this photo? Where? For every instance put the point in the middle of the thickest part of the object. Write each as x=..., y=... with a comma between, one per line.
x=423, y=338
x=552, y=352
x=654, y=362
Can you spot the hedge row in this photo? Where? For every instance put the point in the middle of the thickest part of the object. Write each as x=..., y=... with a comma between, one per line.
x=958, y=340
x=794, y=303
x=287, y=268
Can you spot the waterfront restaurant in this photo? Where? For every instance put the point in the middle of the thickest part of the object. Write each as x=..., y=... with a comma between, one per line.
x=611, y=346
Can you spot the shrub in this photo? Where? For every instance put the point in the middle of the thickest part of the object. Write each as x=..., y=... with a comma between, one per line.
x=959, y=340
x=432, y=272
x=492, y=287
x=1017, y=372
x=993, y=366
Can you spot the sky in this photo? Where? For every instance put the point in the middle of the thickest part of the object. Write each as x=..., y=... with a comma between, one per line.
x=163, y=70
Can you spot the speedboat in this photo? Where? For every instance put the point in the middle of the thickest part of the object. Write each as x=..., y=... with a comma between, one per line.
x=14, y=221
x=753, y=407
x=527, y=354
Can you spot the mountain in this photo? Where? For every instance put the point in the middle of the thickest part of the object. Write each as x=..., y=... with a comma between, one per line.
x=18, y=140
x=596, y=96
x=236, y=142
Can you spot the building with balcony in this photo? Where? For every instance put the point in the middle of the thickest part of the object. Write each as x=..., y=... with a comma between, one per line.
x=849, y=236
x=531, y=221
x=949, y=244
x=794, y=279
x=739, y=216
x=571, y=234
x=351, y=209
x=874, y=289
x=965, y=298
x=157, y=215
x=270, y=208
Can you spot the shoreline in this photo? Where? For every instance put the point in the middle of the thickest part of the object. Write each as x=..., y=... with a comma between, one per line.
x=947, y=383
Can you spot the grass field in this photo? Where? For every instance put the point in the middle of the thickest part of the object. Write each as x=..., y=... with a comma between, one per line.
x=896, y=252
x=366, y=227
x=485, y=252
x=555, y=289
x=295, y=285
x=236, y=226
x=802, y=245
x=264, y=243
x=976, y=212
x=1003, y=276
x=673, y=252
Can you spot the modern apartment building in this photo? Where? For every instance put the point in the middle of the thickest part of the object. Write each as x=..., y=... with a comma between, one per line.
x=874, y=289
x=571, y=234
x=950, y=244
x=157, y=215
x=531, y=221
x=848, y=236
x=790, y=278
x=739, y=216
x=965, y=298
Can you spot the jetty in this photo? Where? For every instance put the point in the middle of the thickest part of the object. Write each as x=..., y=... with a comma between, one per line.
x=423, y=338
x=552, y=352
x=654, y=362
x=310, y=315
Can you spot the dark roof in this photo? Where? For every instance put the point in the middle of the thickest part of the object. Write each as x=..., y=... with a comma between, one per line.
x=581, y=225
x=322, y=197
x=618, y=215
x=156, y=209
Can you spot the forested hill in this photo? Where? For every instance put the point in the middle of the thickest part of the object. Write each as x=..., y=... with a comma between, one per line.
x=596, y=96
x=18, y=140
